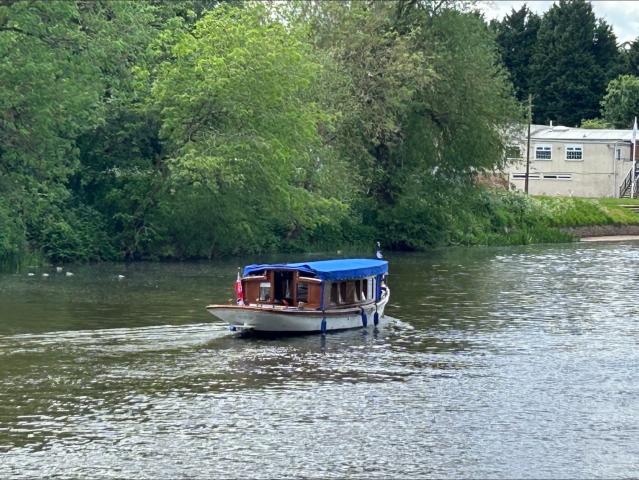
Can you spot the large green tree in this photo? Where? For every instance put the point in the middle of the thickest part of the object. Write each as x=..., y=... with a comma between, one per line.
x=81, y=149
x=426, y=101
x=620, y=105
x=630, y=57
x=516, y=36
x=575, y=57
x=382, y=70
x=240, y=124
x=133, y=129
x=51, y=64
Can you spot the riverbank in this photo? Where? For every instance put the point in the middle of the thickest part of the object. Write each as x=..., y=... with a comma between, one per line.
x=611, y=238
x=478, y=217
x=593, y=218
x=496, y=217
x=607, y=231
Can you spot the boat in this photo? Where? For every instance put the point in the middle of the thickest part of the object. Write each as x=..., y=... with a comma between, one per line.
x=308, y=297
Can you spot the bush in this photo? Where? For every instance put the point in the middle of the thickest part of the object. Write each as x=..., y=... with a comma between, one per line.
x=75, y=234
x=12, y=233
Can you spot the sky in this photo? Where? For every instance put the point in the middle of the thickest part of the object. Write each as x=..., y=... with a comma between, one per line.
x=623, y=16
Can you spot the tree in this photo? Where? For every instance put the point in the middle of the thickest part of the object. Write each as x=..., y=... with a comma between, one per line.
x=620, y=105
x=596, y=123
x=240, y=126
x=575, y=57
x=425, y=104
x=630, y=57
x=188, y=129
x=51, y=93
x=379, y=70
x=516, y=36
x=67, y=69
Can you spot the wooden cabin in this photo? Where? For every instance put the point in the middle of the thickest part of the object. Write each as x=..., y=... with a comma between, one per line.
x=289, y=287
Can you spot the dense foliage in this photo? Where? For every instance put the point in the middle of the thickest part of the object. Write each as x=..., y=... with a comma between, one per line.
x=198, y=128
x=155, y=129
x=564, y=59
x=621, y=103
x=516, y=37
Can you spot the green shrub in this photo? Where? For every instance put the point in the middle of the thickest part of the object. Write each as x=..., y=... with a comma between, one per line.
x=12, y=233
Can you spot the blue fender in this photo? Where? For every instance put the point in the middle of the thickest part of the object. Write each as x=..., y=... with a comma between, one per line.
x=364, y=318
x=376, y=318
x=323, y=325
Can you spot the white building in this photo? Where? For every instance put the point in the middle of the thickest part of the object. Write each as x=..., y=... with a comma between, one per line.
x=573, y=162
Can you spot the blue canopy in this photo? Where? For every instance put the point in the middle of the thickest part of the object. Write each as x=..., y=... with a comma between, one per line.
x=345, y=269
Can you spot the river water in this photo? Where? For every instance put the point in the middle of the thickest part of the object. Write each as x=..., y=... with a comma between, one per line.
x=504, y=362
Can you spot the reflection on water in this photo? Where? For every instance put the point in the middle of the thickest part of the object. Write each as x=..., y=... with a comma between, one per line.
x=513, y=362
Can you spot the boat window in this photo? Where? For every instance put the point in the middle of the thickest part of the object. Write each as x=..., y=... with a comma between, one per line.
x=265, y=291
x=302, y=292
x=334, y=300
x=351, y=292
x=370, y=290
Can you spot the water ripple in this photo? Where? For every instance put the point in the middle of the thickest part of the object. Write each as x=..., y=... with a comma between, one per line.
x=512, y=362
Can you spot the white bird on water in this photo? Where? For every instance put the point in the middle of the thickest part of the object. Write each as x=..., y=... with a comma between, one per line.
x=120, y=277
x=58, y=269
x=69, y=274
x=45, y=275
x=30, y=274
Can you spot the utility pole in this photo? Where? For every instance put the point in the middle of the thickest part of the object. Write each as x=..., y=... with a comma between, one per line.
x=634, y=159
x=528, y=143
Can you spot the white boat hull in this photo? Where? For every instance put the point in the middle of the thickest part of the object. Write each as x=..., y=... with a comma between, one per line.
x=293, y=320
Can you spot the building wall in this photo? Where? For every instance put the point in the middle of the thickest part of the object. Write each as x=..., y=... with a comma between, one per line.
x=598, y=174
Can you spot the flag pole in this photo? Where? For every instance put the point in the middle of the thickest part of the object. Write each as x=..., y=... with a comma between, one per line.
x=634, y=158
x=239, y=294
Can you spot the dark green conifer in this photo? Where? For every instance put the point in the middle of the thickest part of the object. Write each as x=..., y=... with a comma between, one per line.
x=516, y=36
x=574, y=59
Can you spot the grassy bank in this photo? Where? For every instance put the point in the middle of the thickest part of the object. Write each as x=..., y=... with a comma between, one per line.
x=557, y=219
x=495, y=217
x=579, y=212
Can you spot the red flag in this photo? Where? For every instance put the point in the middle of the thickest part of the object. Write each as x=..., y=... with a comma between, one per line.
x=238, y=290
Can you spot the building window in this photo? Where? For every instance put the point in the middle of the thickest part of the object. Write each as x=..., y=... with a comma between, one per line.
x=513, y=152
x=574, y=152
x=543, y=152
x=617, y=153
x=557, y=176
x=522, y=176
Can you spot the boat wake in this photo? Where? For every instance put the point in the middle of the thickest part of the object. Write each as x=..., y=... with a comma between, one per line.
x=114, y=340
x=140, y=339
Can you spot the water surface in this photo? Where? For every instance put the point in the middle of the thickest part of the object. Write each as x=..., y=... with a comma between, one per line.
x=508, y=362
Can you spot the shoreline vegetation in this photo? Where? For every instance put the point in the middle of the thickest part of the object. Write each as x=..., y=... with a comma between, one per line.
x=493, y=218
x=191, y=129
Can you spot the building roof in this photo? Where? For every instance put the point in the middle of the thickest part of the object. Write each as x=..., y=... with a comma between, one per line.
x=344, y=269
x=560, y=133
